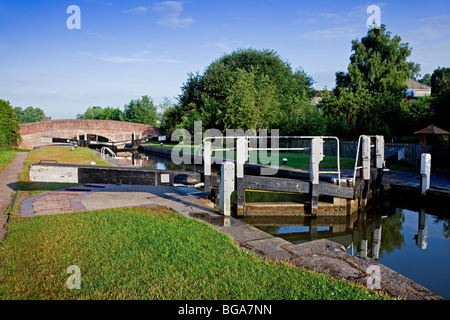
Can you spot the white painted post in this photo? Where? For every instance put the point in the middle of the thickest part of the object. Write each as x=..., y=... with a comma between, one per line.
x=365, y=157
x=316, y=157
x=207, y=153
x=425, y=172
x=226, y=188
x=379, y=152
x=241, y=158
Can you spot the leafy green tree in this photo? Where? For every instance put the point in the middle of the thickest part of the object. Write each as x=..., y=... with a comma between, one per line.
x=141, y=111
x=247, y=89
x=440, y=80
x=9, y=127
x=414, y=70
x=99, y=113
x=378, y=63
x=440, y=101
x=110, y=113
x=30, y=114
x=367, y=98
x=91, y=113
x=426, y=79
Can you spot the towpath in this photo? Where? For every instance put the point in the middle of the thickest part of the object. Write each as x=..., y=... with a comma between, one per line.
x=8, y=185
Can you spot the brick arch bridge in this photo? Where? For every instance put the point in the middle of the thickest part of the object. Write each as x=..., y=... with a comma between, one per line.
x=112, y=130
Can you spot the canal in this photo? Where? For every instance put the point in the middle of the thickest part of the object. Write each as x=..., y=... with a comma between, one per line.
x=412, y=241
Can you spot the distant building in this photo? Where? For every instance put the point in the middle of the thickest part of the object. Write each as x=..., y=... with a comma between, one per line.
x=416, y=89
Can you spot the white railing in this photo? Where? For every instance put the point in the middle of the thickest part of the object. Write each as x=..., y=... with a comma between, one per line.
x=104, y=150
x=208, y=150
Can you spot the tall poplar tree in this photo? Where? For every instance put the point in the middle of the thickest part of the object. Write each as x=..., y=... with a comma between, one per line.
x=367, y=98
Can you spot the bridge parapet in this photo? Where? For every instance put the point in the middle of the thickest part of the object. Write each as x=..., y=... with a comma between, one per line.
x=112, y=130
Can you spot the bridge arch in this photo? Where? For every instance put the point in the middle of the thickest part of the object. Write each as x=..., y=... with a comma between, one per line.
x=32, y=133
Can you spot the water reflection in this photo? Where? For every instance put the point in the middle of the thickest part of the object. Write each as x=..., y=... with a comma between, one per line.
x=147, y=161
x=414, y=243
x=368, y=234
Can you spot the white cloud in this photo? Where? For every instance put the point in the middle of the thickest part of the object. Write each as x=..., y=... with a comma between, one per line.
x=331, y=33
x=137, y=10
x=170, y=15
x=141, y=57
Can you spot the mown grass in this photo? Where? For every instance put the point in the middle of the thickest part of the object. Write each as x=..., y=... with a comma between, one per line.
x=78, y=156
x=148, y=253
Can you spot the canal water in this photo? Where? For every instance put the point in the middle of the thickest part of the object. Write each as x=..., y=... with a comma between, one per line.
x=412, y=241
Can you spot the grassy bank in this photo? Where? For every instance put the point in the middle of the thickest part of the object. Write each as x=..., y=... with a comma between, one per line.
x=148, y=253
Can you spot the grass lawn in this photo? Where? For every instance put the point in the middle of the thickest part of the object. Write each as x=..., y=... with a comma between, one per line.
x=148, y=253
x=79, y=156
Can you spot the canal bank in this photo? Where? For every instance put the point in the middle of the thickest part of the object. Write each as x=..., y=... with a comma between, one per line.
x=322, y=256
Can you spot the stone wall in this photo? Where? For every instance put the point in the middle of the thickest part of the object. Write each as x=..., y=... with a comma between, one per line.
x=112, y=130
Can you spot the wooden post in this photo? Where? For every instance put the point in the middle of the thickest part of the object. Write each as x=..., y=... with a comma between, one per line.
x=241, y=158
x=226, y=187
x=207, y=153
x=316, y=157
x=425, y=172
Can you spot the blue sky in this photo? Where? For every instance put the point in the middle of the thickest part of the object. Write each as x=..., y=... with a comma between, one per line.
x=126, y=49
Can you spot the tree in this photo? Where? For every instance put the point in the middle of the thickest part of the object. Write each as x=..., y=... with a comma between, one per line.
x=378, y=63
x=247, y=89
x=426, y=79
x=30, y=114
x=367, y=98
x=99, y=113
x=9, y=128
x=440, y=90
x=110, y=113
x=414, y=70
x=141, y=111
x=440, y=81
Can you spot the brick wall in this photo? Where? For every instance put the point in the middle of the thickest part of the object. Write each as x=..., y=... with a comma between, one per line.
x=112, y=130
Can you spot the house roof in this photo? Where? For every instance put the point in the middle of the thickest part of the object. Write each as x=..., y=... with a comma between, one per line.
x=413, y=84
x=432, y=129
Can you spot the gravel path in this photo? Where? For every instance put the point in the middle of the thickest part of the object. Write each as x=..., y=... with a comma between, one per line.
x=8, y=185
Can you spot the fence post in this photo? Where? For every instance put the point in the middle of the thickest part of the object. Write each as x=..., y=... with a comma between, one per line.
x=425, y=171
x=226, y=187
